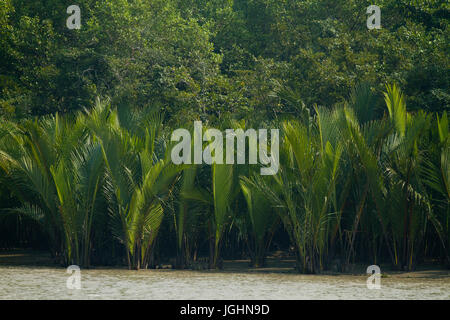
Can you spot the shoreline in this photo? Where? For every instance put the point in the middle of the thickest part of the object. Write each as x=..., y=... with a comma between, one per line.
x=275, y=265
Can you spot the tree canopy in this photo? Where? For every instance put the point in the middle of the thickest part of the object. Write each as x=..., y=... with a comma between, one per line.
x=220, y=57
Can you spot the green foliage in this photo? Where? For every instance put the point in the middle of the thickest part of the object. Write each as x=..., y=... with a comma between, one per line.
x=360, y=178
x=262, y=221
x=217, y=58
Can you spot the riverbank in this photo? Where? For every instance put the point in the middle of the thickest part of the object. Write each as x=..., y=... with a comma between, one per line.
x=281, y=264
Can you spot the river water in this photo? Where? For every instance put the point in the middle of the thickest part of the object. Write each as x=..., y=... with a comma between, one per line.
x=50, y=283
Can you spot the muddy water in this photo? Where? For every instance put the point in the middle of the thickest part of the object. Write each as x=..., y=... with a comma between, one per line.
x=48, y=283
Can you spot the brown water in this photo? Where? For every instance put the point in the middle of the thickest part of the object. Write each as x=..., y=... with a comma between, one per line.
x=50, y=283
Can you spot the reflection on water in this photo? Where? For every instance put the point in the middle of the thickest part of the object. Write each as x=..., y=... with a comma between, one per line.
x=46, y=283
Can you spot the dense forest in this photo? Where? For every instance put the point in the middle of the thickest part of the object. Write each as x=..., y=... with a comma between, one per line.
x=87, y=116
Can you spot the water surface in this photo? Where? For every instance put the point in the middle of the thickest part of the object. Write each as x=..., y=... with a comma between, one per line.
x=50, y=283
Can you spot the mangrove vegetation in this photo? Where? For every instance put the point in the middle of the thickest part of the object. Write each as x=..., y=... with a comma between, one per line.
x=87, y=117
